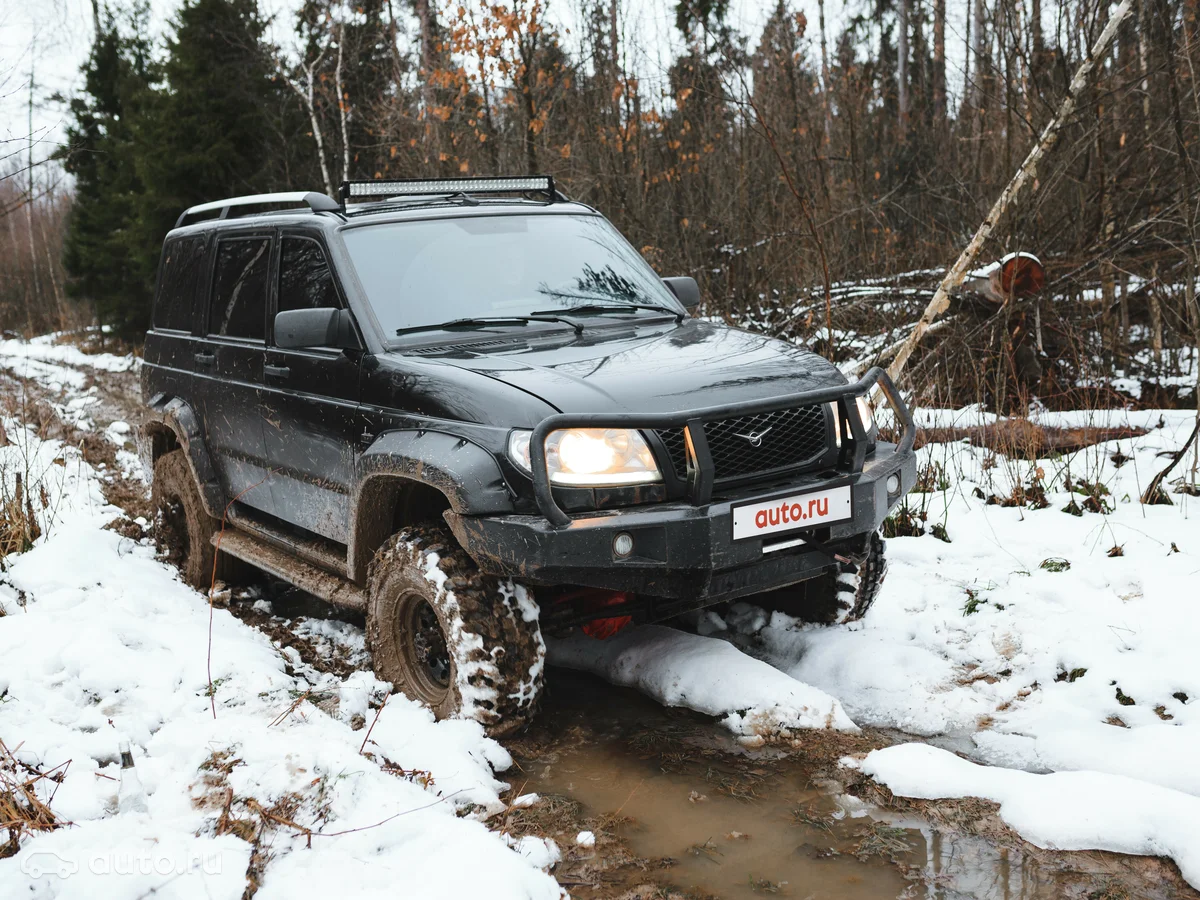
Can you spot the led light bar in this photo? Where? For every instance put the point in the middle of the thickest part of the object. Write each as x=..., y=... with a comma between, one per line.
x=367, y=190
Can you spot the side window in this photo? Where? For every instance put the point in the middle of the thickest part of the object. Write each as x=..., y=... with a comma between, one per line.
x=182, y=270
x=305, y=279
x=239, y=296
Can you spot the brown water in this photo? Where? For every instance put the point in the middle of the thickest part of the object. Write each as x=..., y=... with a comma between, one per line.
x=739, y=825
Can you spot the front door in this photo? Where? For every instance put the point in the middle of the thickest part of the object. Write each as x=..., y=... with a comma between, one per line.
x=310, y=400
x=232, y=355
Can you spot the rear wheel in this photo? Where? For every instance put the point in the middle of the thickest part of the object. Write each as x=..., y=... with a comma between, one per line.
x=182, y=526
x=466, y=644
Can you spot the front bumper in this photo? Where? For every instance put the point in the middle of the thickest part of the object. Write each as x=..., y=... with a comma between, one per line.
x=685, y=551
x=681, y=551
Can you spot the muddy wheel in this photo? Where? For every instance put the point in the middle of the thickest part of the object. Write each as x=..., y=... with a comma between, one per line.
x=182, y=526
x=466, y=644
x=839, y=595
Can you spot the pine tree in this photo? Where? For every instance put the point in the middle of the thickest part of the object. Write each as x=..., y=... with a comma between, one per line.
x=202, y=135
x=100, y=253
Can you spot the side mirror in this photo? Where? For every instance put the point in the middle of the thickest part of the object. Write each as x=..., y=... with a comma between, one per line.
x=686, y=291
x=300, y=328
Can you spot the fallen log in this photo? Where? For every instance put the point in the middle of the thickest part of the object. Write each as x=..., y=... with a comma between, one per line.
x=1022, y=439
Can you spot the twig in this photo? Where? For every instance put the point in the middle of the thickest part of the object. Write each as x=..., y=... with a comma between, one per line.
x=630, y=797
x=287, y=712
x=378, y=713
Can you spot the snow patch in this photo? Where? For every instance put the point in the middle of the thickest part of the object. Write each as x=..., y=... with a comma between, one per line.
x=707, y=675
x=1058, y=811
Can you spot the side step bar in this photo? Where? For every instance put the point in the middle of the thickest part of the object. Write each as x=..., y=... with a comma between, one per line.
x=304, y=575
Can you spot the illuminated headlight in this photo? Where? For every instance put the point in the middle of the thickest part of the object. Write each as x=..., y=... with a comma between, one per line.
x=865, y=413
x=590, y=457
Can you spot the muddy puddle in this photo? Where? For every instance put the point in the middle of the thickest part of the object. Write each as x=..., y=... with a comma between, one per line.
x=701, y=815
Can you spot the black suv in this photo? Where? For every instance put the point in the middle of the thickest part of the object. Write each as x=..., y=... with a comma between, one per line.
x=469, y=409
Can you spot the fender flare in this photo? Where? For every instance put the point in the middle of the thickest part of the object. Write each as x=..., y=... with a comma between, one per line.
x=463, y=472
x=170, y=418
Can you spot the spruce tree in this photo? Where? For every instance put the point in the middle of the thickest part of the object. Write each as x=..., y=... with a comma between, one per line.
x=203, y=135
x=100, y=253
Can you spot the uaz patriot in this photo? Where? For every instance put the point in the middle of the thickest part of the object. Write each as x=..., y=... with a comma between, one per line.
x=469, y=410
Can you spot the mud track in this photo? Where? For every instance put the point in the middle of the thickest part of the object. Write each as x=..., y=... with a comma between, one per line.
x=678, y=809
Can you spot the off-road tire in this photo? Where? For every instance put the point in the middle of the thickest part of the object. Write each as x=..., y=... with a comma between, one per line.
x=839, y=595
x=494, y=655
x=182, y=526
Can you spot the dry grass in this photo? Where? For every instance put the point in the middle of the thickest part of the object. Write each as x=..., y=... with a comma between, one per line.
x=23, y=811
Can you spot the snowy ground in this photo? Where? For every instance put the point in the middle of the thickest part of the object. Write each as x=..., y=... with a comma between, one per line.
x=1024, y=643
x=101, y=643
x=1027, y=644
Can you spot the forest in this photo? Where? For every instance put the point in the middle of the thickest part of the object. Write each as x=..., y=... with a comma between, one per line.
x=815, y=178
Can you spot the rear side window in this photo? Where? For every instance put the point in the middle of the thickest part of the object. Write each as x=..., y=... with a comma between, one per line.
x=305, y=279
x=239, y=297
x=181, y=274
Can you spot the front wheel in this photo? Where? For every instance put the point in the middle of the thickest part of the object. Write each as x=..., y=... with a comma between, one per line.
x=466, y=644
x=838, y=595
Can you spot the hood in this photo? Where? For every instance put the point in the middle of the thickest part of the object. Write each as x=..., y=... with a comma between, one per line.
x=654, y=368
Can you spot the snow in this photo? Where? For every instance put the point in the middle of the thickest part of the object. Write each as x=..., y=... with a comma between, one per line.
x=978, y=647
x=1059, y=811
x=707, y=675
x=100, y=642
x=59, y=365
x=1073, y=691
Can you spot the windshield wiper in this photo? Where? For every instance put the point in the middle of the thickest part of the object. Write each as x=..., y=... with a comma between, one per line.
x=490, y=321
x=477, y=322
x=602, y=308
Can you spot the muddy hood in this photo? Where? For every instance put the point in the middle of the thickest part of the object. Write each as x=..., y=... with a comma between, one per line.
x=657, y=368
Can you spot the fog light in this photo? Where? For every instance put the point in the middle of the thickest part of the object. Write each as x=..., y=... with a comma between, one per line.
x=623, y=544
x=893, y=483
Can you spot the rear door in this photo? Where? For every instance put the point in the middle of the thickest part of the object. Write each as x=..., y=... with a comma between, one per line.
x=310, y=399
x=235, y=352
x=172, y=341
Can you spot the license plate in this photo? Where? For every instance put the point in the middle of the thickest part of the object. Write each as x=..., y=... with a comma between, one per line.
x=788, y=513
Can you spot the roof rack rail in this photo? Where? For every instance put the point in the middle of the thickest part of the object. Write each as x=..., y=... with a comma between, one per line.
x=315, y=201
x=415, y=187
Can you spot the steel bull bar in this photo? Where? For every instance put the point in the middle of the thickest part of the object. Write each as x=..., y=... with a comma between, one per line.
x=701, y=476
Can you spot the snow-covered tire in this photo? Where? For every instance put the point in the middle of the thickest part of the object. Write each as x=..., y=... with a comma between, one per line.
x=466, y=644
x=838, y=595
x=844, y=594
x=182, y=526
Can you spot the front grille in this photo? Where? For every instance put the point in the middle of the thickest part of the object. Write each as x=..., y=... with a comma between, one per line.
x=788, y=438
x=676, y=445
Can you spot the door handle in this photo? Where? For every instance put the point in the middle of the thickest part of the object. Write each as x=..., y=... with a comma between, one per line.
x=277, y=371
x=205, y=359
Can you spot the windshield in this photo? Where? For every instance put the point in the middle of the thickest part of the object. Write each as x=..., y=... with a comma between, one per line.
x=427, y=272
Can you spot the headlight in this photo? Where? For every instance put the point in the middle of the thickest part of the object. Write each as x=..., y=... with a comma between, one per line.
x=866, y=414
x=590, y=457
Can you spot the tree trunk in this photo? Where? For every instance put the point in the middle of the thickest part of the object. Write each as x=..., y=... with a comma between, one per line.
x=343, y=112
x=939, y=61
x=978, y=52
x=902, y=68
x=1156, y=321
x=432, y=137
x=825, y=104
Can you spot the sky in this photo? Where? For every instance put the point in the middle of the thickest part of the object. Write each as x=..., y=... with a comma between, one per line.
x=52, y=38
